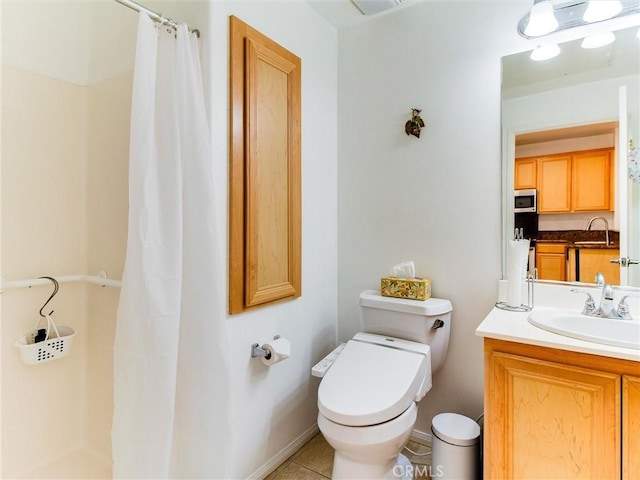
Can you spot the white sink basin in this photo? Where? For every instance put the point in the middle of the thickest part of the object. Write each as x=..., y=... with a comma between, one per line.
x=608, y=331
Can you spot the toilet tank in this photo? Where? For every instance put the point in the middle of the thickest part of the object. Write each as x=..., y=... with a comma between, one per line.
x=424, y=321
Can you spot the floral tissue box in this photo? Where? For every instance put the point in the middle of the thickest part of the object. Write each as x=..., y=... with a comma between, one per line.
x=412, y=288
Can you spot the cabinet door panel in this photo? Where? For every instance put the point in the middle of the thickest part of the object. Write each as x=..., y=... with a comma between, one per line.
x=554, y=184
x=526, y=173
x=551, y=266
x=590, y=181
x=630, y=427
x=594, y=260
x=265, y=216
x=549, y=421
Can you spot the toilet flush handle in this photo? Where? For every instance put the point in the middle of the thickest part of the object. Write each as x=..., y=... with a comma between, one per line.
x=437, y=324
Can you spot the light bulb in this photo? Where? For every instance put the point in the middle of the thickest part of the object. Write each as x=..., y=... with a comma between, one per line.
x=598, y=40
x=542, y=19
x=598, y=10
x=545, y=52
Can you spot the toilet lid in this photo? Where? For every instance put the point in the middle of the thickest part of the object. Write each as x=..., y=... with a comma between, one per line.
x=370, y=384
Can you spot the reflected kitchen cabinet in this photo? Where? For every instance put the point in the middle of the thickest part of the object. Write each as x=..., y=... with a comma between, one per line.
x=585, y=263
x=554, y=183
x=569, y=182
x=526, y=173
x=591, y=180
x=551, y=261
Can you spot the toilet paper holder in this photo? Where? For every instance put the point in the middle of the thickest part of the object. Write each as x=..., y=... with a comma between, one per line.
x=258, y=351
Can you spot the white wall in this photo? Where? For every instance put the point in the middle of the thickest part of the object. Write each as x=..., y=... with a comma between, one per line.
x=436, y=199
x=578, y=105
x=274, y=406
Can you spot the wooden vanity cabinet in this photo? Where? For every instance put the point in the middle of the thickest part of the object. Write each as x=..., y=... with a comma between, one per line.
x=551, y=261
x=630, y=427
x=552, y=414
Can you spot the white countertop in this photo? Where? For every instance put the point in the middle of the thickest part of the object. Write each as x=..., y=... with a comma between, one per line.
x=514, y=327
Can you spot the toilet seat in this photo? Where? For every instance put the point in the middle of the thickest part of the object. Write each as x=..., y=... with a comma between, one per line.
x=370, y=384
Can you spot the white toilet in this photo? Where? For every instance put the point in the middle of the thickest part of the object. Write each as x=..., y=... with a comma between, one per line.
x=367, y=398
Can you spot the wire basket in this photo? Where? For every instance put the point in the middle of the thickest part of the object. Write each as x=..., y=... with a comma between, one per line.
x=57, y=343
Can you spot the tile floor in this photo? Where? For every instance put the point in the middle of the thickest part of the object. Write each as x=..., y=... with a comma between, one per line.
x=314, y=461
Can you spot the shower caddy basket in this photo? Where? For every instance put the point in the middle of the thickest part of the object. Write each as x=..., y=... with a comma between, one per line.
x=57, y=343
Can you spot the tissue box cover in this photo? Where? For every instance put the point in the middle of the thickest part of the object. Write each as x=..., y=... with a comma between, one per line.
x=412, y=288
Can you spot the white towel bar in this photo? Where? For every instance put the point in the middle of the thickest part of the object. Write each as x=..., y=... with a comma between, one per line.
x=100, y=279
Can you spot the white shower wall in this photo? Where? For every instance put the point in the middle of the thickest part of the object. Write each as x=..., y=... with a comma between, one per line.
x=42, y=405
x=106, y=199
x=64, y=211
x=56, y=203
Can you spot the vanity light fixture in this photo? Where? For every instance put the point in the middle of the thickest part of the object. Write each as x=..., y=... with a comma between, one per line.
x=598, y=10
x=598, y=40
x=545, y=52
x=542, y=19
x=548, y=16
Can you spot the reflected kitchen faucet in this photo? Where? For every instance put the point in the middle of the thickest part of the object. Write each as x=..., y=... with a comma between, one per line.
x=606, y=227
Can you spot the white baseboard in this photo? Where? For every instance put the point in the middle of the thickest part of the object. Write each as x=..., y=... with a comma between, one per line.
x=284, y=454
x=421, y=437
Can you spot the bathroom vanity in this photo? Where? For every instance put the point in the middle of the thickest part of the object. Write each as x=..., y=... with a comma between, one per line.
x=557, y=407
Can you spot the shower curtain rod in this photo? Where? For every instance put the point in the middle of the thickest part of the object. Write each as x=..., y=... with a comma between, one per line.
x=101, y=279
x=154, y=15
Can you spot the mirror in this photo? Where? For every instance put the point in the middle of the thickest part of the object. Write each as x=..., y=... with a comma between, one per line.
x=583, y=99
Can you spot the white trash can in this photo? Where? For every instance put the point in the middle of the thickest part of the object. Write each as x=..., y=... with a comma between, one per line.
x=456, y=447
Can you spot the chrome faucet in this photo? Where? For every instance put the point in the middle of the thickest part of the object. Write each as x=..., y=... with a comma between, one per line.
x=607, y=308
x=606, y=227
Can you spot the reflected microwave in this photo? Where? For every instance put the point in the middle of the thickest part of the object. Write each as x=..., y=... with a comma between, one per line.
x=525, y=201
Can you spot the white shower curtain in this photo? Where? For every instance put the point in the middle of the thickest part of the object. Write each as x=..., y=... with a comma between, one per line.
x=171, y=396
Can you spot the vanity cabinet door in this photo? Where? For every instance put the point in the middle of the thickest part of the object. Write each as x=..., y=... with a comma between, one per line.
x=548, y=420
x=630, y=427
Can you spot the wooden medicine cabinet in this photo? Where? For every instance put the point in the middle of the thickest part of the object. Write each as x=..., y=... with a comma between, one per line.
x=264, y=170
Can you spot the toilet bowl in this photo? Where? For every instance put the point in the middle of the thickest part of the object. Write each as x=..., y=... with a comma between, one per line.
x=367, y=398
x=368, y=452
